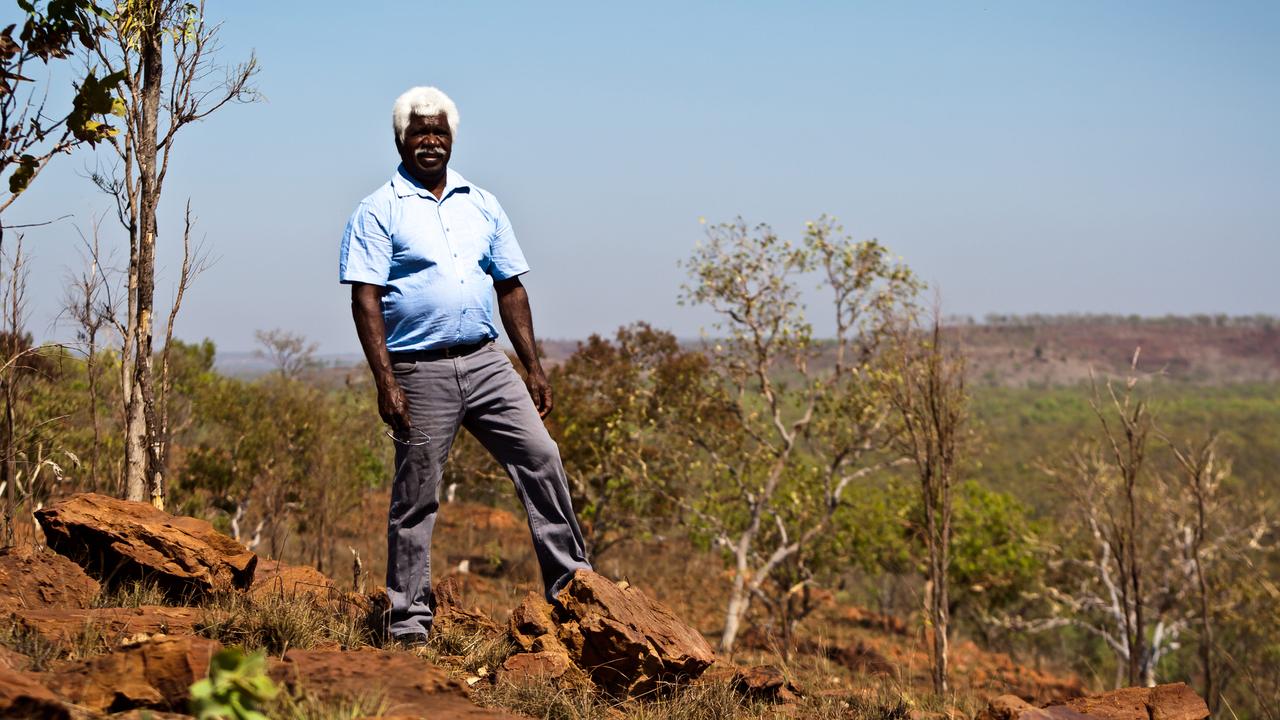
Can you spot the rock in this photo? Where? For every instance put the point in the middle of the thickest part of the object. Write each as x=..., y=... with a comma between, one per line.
x=272, y=577
x=40, y=578
x=10, y=660
x=153, y=674
x=405, y=684
x=22, y=696
x=1176, y=701
x=537, y=666
x=626, y=641
x=1164, y=702
x=449, y=615
x=1005, y=707
x=121, y=540
x=765, y=682
x=531, y=626
x=64, y=627
x=861, y=658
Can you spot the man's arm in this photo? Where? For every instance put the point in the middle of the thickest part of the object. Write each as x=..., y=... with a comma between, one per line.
x=517, y=320
x=366, y=309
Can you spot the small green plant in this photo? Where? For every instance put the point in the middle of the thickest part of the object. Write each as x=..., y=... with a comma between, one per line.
x=236, y=689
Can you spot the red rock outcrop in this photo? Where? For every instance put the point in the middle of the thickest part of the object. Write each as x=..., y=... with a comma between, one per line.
x=626, y=641
x=33, y=577
x=272, y=577
x=23, y=696
x=1174, y=701
x=120, y=540
x=765, y=682
x=65, y=626
x=154, y=674
x=405, y=684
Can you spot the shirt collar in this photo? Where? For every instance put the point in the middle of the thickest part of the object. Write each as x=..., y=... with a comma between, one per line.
x=405, y=184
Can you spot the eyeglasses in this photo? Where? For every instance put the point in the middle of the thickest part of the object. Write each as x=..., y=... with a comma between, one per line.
x=415, y=437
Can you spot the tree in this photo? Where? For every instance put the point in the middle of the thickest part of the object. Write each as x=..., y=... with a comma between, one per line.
x=160, y=99
x=801, y=433
x=1152, y=532
x=624, y=410
x=288, y=352
x=30, y=135
x=925, y=385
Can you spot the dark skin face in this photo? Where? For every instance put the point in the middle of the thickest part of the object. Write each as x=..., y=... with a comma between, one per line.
x=426, y=148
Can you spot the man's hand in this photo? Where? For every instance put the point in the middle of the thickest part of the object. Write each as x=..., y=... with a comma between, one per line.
x=517, y=320
x=394, y=409
x=366, y=309
x=540, y=391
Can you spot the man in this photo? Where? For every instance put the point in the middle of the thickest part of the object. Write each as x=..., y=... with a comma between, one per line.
x=421, y=255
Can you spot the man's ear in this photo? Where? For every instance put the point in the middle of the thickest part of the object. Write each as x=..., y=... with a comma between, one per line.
x=399, y=146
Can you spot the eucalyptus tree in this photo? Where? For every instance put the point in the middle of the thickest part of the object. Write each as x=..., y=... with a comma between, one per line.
x=809, y=420
x=164, y=52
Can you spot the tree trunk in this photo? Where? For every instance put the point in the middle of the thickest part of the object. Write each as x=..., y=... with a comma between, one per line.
x=144, y=476
x=739, y=601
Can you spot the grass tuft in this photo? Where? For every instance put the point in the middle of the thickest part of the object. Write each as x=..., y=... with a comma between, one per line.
x=43, y=653
x=477, y=649
x=131, y=594
x=297, y=705
x=279, y=623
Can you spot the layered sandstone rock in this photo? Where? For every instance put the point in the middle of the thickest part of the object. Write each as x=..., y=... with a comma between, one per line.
x=23, y=696
x=404, y=684
x=39, y=578
x=120, y=540
x=154, y=674
x=1175, y=701
x=64, y=627
x=272, y=577
x=765, y=682
x=626, y=641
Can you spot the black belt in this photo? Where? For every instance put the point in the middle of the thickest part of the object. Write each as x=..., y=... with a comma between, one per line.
x=452, y=351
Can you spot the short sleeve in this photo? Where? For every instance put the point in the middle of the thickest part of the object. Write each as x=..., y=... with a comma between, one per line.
x=506, y=258
x=365, y=255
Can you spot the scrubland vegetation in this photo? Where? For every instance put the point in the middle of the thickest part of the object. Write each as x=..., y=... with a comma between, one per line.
x=761, y=482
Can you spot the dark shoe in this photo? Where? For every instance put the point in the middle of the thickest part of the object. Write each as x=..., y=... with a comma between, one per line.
x=410, y=641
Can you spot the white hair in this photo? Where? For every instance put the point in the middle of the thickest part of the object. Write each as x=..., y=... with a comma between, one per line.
x=424, y=101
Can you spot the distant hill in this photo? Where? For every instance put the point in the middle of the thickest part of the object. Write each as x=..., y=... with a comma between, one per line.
x=1020, y=351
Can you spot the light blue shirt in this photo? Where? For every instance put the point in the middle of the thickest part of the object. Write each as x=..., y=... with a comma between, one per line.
x=437, y=259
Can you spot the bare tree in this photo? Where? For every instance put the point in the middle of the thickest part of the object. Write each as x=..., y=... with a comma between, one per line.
x=158, y=103
x=290, y=353
x=800, y=435
x=87, y=306
x=1137, y=575
x=1202, y=477
x=925, y=385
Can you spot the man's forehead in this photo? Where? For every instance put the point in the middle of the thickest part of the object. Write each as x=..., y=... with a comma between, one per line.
x=435, y=119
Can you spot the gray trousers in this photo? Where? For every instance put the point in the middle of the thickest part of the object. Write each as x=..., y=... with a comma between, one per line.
x=483, y=393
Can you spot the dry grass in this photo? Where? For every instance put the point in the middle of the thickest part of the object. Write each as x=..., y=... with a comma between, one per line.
x=131, y=594
x=43, y=653
x=279, y=622
x=470, y=651
x=298, y=705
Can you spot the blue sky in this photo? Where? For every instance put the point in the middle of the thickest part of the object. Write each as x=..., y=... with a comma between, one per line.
x=1022, y=157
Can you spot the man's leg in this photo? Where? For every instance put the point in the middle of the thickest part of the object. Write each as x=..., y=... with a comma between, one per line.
x=500, y=413
x=435, y=407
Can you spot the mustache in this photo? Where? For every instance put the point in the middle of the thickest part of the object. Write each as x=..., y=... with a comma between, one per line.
x=427, y=152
